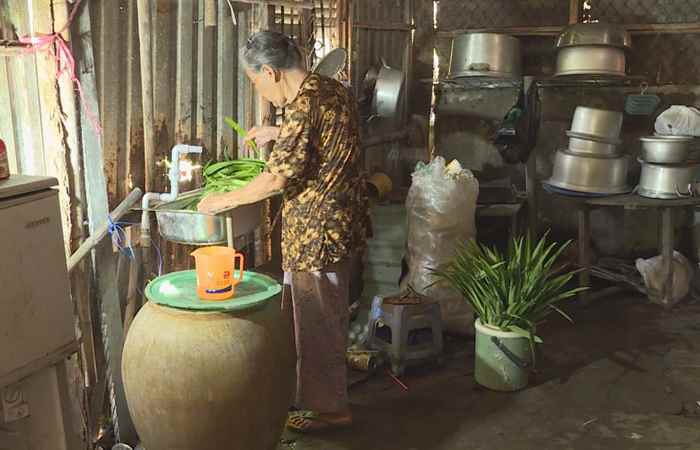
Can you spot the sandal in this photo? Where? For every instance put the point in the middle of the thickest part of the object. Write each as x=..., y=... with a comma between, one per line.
x=308, y=421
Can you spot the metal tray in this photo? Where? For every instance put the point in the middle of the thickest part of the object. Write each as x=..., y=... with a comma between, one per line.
x=193, y=228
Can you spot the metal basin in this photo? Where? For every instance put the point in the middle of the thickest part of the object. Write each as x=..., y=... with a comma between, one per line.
x=585, y=144
x=193, y=228
x=601, y=123
x=665, y=149
x=485, y=54
x=591, y=60
x=589, y=174
x=667, y=180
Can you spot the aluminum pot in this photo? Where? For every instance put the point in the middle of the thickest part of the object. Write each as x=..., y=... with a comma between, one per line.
x=597, y=122
x=485, y=54
x=585, y=144
x=591, y=174
x=591, y=60
x=667, y=180
x=388, y=92
x=665, y=149
x=594, y=34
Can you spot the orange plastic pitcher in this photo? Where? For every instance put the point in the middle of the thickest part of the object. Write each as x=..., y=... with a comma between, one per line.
x=216, y=268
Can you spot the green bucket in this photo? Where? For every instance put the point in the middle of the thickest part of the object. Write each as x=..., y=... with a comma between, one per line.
x=503, y=359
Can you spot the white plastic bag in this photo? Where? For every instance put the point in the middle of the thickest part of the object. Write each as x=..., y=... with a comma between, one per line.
x=652, y=273
x=679, y=120
x=441, y=204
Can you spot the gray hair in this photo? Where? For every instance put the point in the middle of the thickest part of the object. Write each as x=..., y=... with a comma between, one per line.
x=273, y=49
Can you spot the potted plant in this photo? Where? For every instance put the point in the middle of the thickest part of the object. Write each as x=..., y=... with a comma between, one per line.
x=511, y=294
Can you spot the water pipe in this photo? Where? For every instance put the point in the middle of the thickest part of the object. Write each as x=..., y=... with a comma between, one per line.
x=174, y=177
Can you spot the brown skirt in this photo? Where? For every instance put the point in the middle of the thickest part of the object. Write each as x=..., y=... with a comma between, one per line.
x=320, y=305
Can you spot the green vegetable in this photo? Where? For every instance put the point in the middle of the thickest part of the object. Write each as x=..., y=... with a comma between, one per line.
x=242, y=133
x=226, y=176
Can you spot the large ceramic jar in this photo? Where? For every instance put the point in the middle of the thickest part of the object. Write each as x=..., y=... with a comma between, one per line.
x=208, y=375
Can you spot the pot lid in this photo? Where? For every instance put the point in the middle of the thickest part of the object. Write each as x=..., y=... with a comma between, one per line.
x=594, y=34
x=179, y=290
x=332, y=63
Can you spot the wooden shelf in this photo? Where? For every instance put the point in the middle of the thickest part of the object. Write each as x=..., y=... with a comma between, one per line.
x=648, y=28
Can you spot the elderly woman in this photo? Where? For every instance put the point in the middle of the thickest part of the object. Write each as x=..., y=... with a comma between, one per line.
x=316, y=161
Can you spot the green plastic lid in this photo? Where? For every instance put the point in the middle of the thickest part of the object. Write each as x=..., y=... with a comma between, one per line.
x=179, y=290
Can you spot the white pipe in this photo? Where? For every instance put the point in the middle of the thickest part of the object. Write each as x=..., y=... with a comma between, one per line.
x=145, y=222
x=174, y=176
x=174, y=173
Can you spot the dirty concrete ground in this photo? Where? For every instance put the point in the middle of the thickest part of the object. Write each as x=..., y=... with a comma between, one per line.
x=625, y=375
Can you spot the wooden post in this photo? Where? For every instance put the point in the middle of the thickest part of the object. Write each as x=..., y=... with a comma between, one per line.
x=205, y=70
x=133, y=137
x=574, y=9
x=244, y=87
x=225, y=88
x=183, y=70
x=110, y=90
x=146, y=55
x=98, y=211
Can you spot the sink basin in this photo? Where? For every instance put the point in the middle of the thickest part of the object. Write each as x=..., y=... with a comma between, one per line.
x=192, y=228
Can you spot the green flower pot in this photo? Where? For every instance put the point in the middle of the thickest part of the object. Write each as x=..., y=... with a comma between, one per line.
x=503, y=359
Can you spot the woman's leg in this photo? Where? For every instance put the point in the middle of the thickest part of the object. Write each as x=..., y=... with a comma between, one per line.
x=320, y=302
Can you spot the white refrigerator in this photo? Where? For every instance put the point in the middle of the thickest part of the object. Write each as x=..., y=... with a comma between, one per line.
x=37, y=324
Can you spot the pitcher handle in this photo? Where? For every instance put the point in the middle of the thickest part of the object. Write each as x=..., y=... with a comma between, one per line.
x=240, y=257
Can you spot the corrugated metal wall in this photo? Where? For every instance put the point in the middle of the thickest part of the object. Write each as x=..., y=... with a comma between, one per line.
x=196, y=82
x=381, y=30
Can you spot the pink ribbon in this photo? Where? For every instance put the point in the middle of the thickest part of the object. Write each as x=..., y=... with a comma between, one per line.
x=65, y=62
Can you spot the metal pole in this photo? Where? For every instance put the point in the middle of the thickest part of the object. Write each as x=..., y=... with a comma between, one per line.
x=115, y=215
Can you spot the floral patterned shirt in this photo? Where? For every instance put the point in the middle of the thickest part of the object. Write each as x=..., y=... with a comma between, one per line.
x=324, y=213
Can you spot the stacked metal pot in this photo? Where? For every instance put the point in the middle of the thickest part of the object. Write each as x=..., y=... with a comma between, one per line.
x=592, y=164
x=666, y=169
x=592, y=49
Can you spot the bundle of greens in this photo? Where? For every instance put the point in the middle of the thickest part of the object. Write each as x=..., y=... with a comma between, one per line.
x=228, y=175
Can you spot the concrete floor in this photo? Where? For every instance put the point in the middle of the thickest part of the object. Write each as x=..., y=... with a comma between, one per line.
x=626, y=375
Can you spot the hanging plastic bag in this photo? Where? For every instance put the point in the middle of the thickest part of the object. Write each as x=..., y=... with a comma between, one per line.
x=652, y=273
x=441, y=204
x=679, y=120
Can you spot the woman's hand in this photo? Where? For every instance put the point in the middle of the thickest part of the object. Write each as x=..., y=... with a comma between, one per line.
x=262, y=135
x=215, y=202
